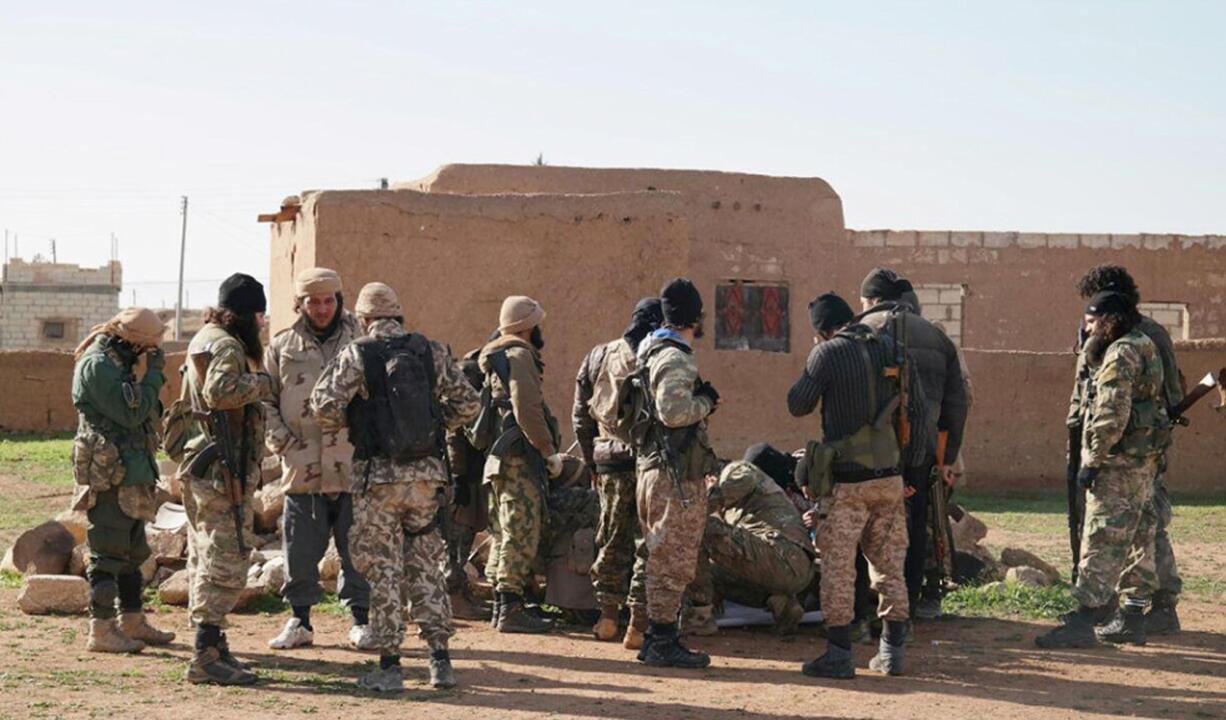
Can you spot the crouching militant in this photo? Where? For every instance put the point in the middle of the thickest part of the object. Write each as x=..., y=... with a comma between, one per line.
x=113, y=462
x=758, y=548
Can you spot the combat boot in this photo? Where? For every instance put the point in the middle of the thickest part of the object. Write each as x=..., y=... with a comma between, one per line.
x=383, y=679
x=786, y=611
x=662, y=648
x=836, y=662
x=1162, y=618
x=515, y=618
x=227, y=657
x=136, y=626
x=699, y=620
x=605, y=628
x=1077, y=630
x=1127, y=627
x=105, y=637
x=441, y=675
x=208, y=668
x=464, y=608
x=890, y=649
x=636, y=629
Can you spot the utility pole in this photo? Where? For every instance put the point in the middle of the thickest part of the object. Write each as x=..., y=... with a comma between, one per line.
x=182, y=252
x=53, y=259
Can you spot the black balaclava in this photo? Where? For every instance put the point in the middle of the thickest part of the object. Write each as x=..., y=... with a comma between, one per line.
x=646, y=318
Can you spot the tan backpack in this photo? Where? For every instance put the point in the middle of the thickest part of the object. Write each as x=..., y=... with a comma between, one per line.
x=611, y=391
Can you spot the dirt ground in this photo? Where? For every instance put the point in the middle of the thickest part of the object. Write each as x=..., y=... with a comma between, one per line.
x=958, y=668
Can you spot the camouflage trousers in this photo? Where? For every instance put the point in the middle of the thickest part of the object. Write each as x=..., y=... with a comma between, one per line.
x=618, y=574
x=217, y=571
x=869, y=514
x=1117, y=538
x=397, y=546
x=747, y=568
x=517, y=521
x=117, y=544
x=672, y=534
x=1164, y=555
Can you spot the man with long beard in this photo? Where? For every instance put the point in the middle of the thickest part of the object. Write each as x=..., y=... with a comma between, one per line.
x=224, y=375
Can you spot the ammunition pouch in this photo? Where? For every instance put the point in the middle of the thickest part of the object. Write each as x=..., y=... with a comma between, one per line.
x=1148, y=433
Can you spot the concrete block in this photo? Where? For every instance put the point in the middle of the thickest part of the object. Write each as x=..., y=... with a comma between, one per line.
x=955, y=312
x=1158, y=242
x=44, y=594
x=900, y=238
x=966, y=239
x=952, y=296
x=928, y=295
x=934, y=238
x=867, y=238
x=1119, y=242
x=1063, y=241
x=1032, y=240
x=999, y=239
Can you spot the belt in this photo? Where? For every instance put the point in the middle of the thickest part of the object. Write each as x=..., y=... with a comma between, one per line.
x=608, y=468
x=858, y=474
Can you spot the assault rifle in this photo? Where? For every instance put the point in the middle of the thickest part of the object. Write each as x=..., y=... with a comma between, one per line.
x=233, y=464
x=899, y=372
x=1202, y=389
x=658, y=435
x=943, y=542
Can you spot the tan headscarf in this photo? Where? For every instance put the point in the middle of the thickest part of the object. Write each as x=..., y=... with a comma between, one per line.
x=317, y=280
x=139, y=326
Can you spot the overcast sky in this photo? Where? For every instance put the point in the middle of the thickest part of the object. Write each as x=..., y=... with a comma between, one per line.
x=1048, y=116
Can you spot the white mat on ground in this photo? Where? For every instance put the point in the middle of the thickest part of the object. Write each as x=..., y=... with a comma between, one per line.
x=742, y=616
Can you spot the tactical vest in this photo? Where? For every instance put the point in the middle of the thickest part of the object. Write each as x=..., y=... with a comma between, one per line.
x=1148, y=432
x=103, y=450
x=643, y=423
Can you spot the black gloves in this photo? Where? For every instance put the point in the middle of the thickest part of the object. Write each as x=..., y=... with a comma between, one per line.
x=155, y=359
x=706, y=389
x=1085, y=478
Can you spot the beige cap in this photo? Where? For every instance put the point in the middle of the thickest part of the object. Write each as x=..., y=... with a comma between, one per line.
x=377, y=300
x=139, y=326
x=317, y=281
x=519, y=313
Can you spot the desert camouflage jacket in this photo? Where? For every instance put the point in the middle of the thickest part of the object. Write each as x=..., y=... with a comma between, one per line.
x=345, y=377
x=312, y=461
x=220, y=376
x=672, y=376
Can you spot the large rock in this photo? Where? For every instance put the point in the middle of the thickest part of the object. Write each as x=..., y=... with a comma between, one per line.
x=169, y=481
x=272, y=575
x=44, y=550
x=330, y=564
x=1017, y=557
x=75, y=522
x=166, y=545
x=250, y=594
x=44, y=594
x=267, y=503
x=6, y=564
x=1028, y=576
x=148, y=569
x=968, y=531
x=174, y=589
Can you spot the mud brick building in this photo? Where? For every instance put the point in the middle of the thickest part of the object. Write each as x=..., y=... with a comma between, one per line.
x=53, y=305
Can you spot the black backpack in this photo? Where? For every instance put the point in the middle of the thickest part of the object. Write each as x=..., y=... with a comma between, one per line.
x=401, y=420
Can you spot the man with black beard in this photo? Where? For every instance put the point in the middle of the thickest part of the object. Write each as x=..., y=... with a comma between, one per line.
x=225, y=375
x=315, y=465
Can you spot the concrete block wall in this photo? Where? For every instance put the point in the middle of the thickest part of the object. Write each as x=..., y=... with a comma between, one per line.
x=1170, y=315
x=36, y=293
x=942, y=304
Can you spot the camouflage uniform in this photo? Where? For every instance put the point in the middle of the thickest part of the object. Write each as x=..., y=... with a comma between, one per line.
x=672, y=518
x=314, y=463
x=1172, y=393
x=395, y=540
x=218, y=570
x=756, y=541
x=113, y=459
x=1126, y=431
x=621, y=560
x=515, y=468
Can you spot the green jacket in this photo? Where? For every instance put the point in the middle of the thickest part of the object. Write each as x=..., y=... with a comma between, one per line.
x=116, y=416
x=748, y=498
x=1128, y=421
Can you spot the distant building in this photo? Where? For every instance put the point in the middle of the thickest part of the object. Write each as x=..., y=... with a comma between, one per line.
x=53, y=305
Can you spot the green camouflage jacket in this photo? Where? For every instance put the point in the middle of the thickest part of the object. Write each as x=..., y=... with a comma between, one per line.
x=312, y=461
x=1172, y=388
x=748, y=498
x=345, y=377
x=1128, y=421
x=672, y=377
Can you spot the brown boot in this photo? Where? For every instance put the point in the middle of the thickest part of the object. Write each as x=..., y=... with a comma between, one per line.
x=104, y=636
x=208, y=668
x=787, y=613
x=463, y=607
x=636, y=630
x=136, y=626
x=605, y=628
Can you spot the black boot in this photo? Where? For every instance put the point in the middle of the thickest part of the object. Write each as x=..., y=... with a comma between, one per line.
x=1127, y=627
x=513, y=617
x=662, y=648
x=1162, y=618
x=836, y=662
x=1077, y=630
x=889, y=657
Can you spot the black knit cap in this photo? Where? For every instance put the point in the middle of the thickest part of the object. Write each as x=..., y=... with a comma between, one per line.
x=242, y=294
x=883, y=284
x=680, y=303
x=778, y=465
x=828, y=312
x=1109, y=302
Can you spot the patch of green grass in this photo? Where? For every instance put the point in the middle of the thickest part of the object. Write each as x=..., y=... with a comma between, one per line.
x=1204, y=588
x=10, y=580
x=1010, y=599
x=266, y=604
x=42, y=458
x=1042, y=514
x=331, y=605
